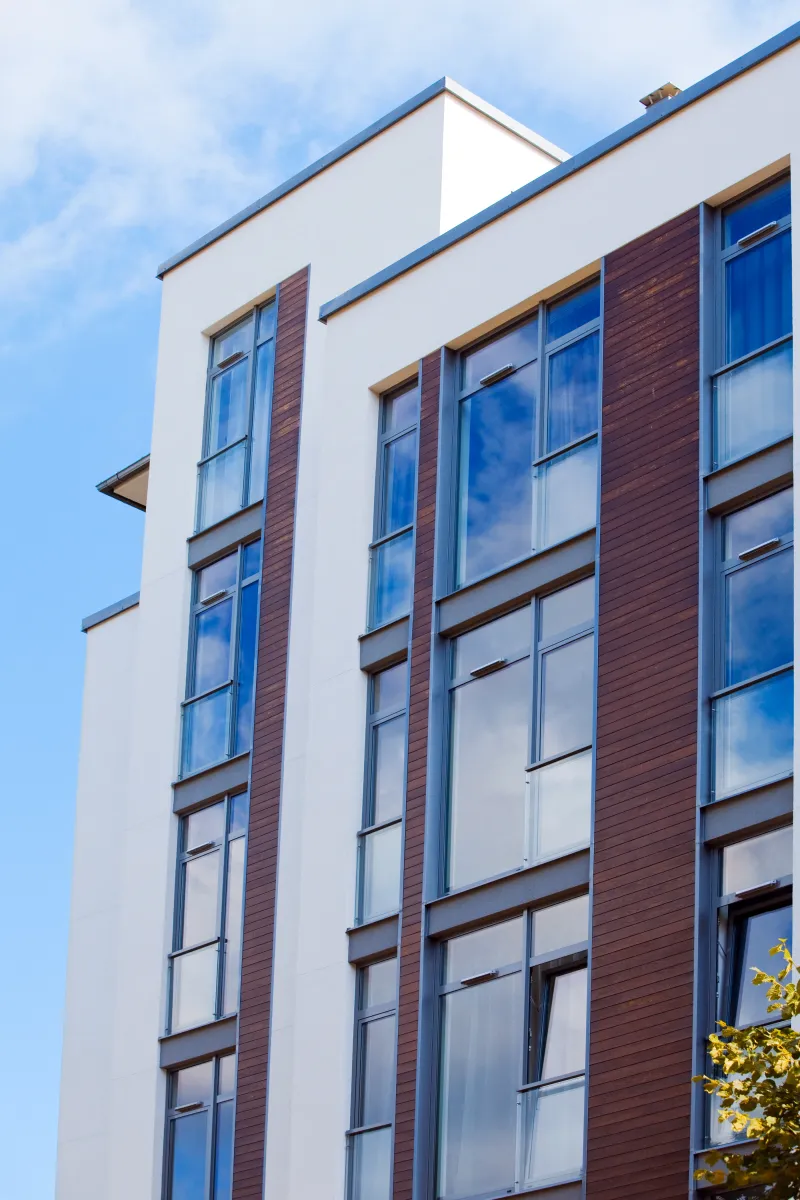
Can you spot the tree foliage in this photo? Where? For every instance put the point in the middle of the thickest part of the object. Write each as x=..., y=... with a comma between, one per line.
x=758, y=1090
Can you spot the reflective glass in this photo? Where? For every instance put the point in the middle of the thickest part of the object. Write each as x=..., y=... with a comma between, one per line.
x=561, y=799
x=489, y=755
x=566, y=609
x=223, y=1152
x=389, y=767
x=381, y=872
x=389, y=688
x=246, y=666
x=565, y=1030
x=200, y=898
x=251, y=560
x=240, y=811
x=566, y=495
x=392, y=565
x=757, y=211
x=205, y=731
x=552, y=1126
x=221, y=482
x=495, y=476
x=753, y=404
x=567, y=697
x=259, y=438
x=377, y=1070
x=758, y=296
x=573, y=391
x=401, y=410
x=212, y=646
x=235, y=341
x=234, y=912
x=758, y=523
x=479, y=1074
x=517, y=347
x=219, y=577
x=372, y=1165
x=193, y=1085
x=760, y=933
x=205, y=825
x=266, y=321
x=380, y=983
x=194, y=988
x=756, y=860
x=560, y=925
x=227, y=418
x=399, y=482
x=227, y=1075
x=507, y=637
x=495, y=946
x=753, y=734
x=758, y=617
x=573, y=311
x=188, y=1174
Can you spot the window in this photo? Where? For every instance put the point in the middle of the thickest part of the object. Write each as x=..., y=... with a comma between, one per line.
x=380, y=840
x=529, y=410
x=232, y=472
x=207, y=939
x=395, y=500
x=753, y=708
x=513, y=1053
x=200, y=1131
x=370, y=1138
x=520, y=737
x=753, y=388
x=218, y=711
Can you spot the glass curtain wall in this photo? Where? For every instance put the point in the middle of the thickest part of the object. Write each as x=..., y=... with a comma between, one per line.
x=370, y=1138
x=200, y=1130
x=392, y=550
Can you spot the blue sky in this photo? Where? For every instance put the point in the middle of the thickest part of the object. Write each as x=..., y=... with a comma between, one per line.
x=130, y=128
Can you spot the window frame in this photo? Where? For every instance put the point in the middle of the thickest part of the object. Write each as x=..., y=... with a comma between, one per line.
x=364, y=1016
x=211, y=1107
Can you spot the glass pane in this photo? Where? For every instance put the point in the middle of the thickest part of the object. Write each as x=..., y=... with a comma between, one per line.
x=565, y=1032
x=206, y=825
x=479, y=1075
x=567, y=697
x=753, y=734
x=377, y=1070
x=495, y=477
x=188, y=1181
x=517, y=347
x=472, y=953
x=380, y=983
x=761, y=932
x=194, y=988
x=381, y=872
x=489, y=756
x=758, y=617
x=266, y=321
x=219, y=577
x=234, y=905
x=566, y=609
x=240, y=812
x=399, y=483
x=221, y=481
x=559, y=926
x=205, y=731
x=235, y=341
x=227, y=1075
x=566, y=495
x=553, y=1132
x=561, y=806
x=756, y=860
x=392, y=564
x=573, y=311
x=251, y=560
x=223, y=1157
x=200, y=898
x=389, y=748
x=753, y=404
x=401, y=410
x=758, y=523
x=758, y=296
x=507, y=637
x=757, y=211
x=389, y=688
x=372, y=1165
x=212, y=649
x=246, y=666
x=193, y=1085
x=260, y=429
x=573, y=391
x=227, y=418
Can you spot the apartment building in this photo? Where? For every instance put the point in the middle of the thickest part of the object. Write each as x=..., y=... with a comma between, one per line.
x=435, y=789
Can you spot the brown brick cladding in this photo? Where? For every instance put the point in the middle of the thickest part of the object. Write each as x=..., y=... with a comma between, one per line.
x=410, y=949
x=265, y=788
x=640, y=1059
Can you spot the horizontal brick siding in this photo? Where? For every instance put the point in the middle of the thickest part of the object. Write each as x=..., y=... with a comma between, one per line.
x=414, y=826
x=640, y=1059
x=265, y=790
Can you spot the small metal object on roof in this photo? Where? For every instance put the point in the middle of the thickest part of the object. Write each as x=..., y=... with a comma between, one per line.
x=665, y=92
x=130, y=484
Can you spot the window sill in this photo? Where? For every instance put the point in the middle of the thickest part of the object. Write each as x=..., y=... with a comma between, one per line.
x=210, y=543
x=749, y=478
x=374, y=939
x=201, y=1041
x=755, y=811
x=232, y=774
x=384, y=646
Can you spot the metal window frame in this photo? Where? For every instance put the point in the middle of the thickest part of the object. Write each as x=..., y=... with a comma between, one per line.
x=211, y=1107
x=364, y=1016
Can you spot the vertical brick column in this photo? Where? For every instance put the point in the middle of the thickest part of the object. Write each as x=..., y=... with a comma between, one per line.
x=265, y=789
x=410, y=950
x=640, y=1058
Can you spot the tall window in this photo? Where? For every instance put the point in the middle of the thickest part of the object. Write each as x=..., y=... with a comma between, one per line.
x=753, y=708
x=370, y=1138
x=200, y=1131
x=753, y=387
x=218, y=711
x=232, y=472
x=395, y=499
x=513, y=1054
x=529, y=412
x=207, y=939
x=520, y=737
x=380, y=839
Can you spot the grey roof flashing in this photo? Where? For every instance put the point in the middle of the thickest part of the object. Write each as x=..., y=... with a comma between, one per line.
x=113, y=610
x=652, y=116
x=354, y=143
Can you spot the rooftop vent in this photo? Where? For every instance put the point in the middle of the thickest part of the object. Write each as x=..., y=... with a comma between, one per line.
x=665, y=92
